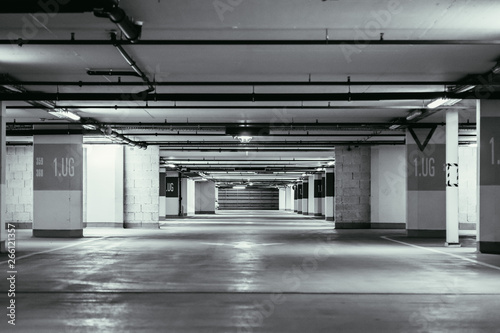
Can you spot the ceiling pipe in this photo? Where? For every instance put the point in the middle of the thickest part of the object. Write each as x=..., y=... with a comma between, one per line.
x=230, y=83
x=101, y=8
x=134, y=66
x=241, y=97
x=235, y=42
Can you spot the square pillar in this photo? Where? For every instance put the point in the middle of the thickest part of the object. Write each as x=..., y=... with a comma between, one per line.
x=330, y=194
x=172, y=194
x=318, y=195
x=311, y=198
x=488, y=124
x=187, y=197
x=205, y=197
x=353, y=187
x=142, y=167
x=295, y=198
x=426, y=182
x=305, y=196
x=58, y=186
x=299, y=198
x=162, y=195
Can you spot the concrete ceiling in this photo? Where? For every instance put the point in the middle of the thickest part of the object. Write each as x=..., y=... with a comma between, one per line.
x=439, y=42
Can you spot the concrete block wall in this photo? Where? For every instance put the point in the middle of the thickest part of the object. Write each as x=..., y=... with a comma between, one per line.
x=141, y=188
x=19, y=178
x=352, y=187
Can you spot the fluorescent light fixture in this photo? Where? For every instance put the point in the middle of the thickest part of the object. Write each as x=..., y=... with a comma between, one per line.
x=320, y=169
x=65, y=114
x=171, y=166
x=244, y=139
x=304, y=175
x=90, y=127
x=413, y=114
x=395, y=126
x=331, y=163
x=442, y=102
x=239, y=187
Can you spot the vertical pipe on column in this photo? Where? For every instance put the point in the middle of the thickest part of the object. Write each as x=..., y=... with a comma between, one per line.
x=452, y=225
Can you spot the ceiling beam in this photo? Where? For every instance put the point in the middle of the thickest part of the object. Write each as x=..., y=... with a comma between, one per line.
x=234, y=83
x=326, y=42
x=239, y=97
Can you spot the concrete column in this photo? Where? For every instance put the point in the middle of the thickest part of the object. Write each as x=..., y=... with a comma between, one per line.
x=172, y=194
x=426, y=183
x=295, y=198
x=288, y=199
x=142, y=168
x=353, y=187
x=330, y=194
x=3, y=172
x=58, y=186
x=305, y=196
x=299, y=198
x=323, y=194
x=488, y=124
x=452, y=237
x=162, y=195
x=311, y=202
x=205, y=197
x=103, y=186
x=282, y=199
x=187, y=197
x=318, y=195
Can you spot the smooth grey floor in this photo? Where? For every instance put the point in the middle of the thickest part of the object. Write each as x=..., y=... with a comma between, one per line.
x=265, y=272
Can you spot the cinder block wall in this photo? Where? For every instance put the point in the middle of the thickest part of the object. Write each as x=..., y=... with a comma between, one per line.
x=141, y=188
x=19, y=177
x=352, y=187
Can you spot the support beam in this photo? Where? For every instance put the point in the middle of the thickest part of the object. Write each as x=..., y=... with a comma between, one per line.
x=237, y=97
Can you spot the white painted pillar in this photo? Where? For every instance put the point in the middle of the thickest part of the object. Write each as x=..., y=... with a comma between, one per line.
x=452, y=237
x=282, y=199
x=3, y=173
x=288, y=199
x=311, y=202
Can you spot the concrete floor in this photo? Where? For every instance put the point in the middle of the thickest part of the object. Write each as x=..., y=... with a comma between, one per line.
x=266, y=272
